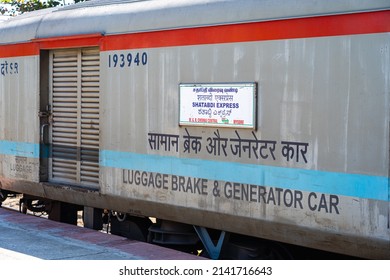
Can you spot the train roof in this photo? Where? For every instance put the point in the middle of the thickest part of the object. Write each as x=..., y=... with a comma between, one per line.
x=131, y=16
x=4, y=18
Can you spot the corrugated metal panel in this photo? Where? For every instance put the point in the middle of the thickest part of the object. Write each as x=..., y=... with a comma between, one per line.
x=89, y=167
x=75, y=117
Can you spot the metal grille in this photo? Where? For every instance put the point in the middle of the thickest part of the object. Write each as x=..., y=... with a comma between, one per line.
x=75, y=117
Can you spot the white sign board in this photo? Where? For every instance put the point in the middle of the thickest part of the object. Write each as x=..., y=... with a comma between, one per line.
x=226, y=105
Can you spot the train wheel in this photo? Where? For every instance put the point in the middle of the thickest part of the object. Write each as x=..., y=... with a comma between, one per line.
x=174, y=235
x=135, y=228
x=270, y=250
x=248, y=248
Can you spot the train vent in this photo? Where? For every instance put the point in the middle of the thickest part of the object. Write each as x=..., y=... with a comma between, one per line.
x=74, y=127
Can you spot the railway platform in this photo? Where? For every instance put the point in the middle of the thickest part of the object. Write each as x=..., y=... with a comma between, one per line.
x=27, y=237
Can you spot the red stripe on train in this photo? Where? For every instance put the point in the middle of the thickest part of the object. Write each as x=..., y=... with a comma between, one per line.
x=334, y=25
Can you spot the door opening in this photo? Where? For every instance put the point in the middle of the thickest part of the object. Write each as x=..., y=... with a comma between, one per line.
x=73, y=117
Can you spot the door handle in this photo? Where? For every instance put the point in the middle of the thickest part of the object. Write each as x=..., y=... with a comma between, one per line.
x=44, y=127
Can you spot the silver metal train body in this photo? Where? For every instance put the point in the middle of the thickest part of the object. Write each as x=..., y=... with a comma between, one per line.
x=268, y=119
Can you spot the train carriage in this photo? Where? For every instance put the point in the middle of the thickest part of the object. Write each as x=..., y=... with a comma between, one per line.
x=229, y=121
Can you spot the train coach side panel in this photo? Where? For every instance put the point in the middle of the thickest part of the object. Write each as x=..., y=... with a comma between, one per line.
x=322, y=106
x=19, y=122
x=314, y=168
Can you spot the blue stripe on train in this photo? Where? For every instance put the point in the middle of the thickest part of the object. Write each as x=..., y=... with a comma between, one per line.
x=355, y=185
x=21, y=149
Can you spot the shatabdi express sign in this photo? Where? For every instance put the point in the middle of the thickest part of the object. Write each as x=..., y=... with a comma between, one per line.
x=226, y=105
